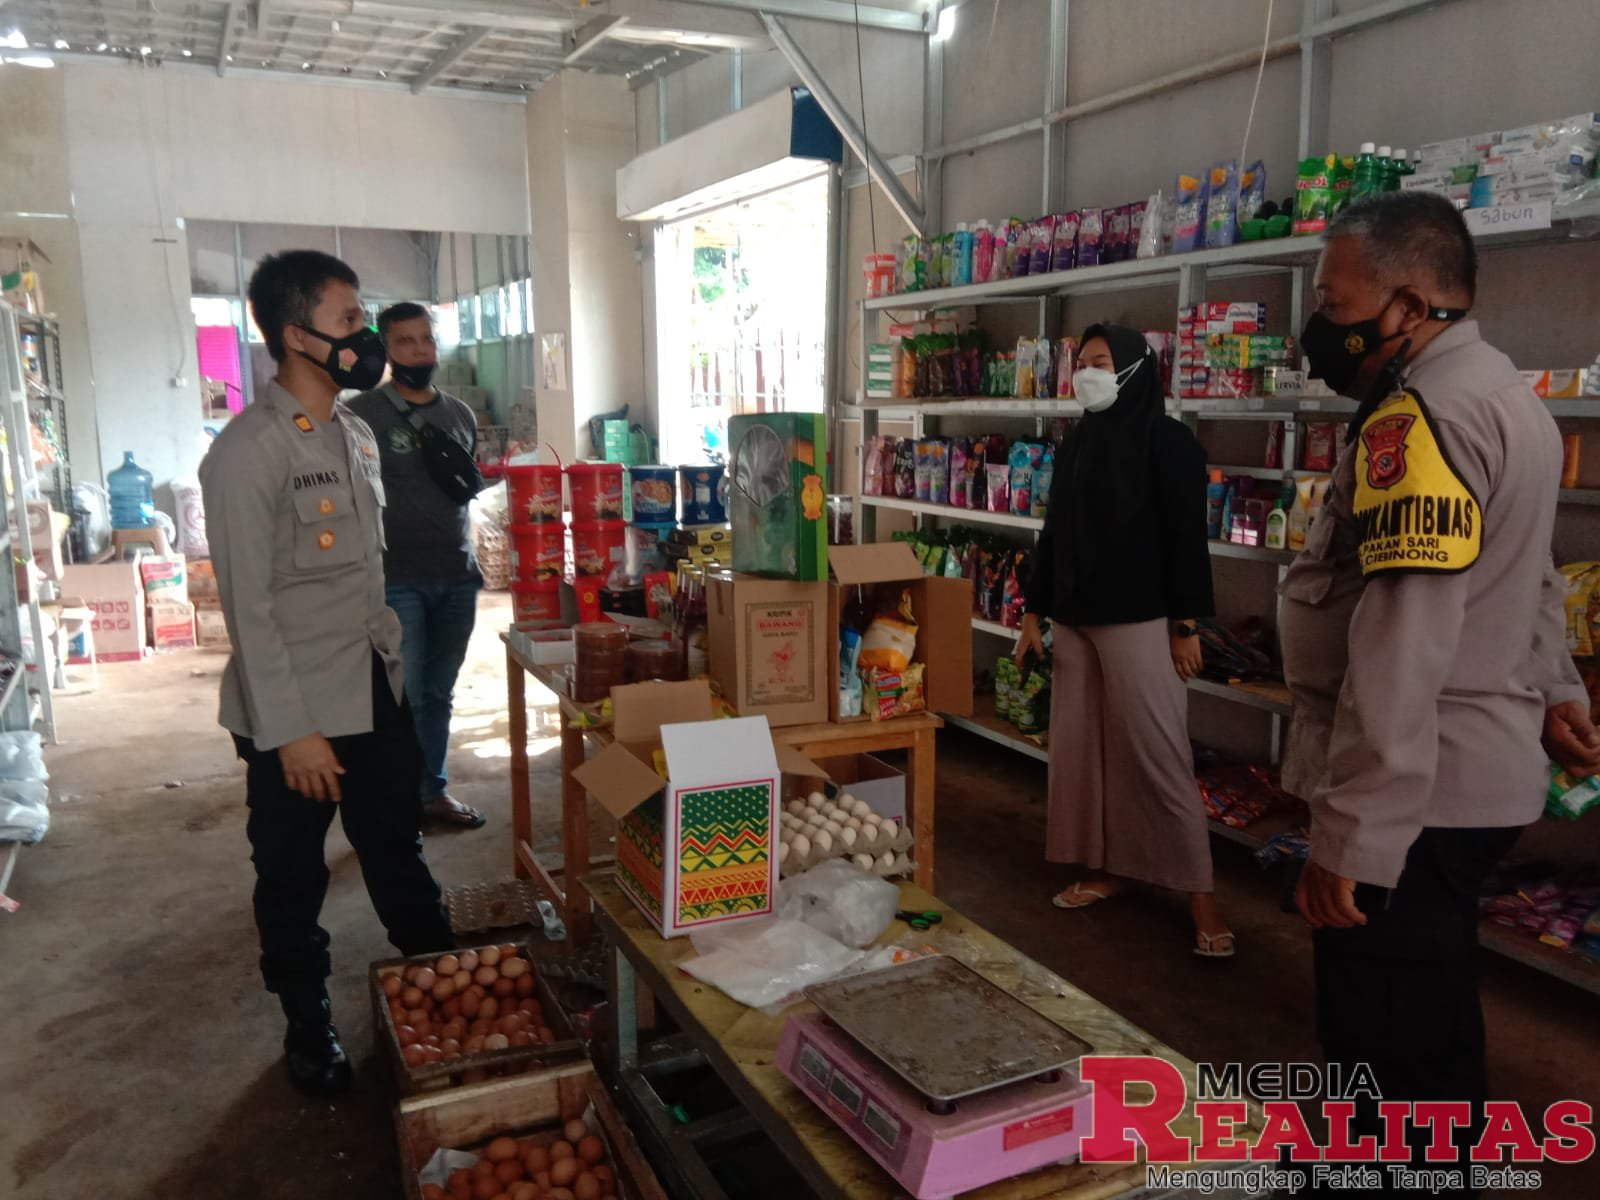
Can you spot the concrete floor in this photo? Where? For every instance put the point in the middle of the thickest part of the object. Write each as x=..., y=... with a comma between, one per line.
x=140, y=1056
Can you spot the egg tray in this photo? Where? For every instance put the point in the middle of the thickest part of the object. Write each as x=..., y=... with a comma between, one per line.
x=468, y=1119
x=514, y=1060
x=900, y=843
x=504, y=904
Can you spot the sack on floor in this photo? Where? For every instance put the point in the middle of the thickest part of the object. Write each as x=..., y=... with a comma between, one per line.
x=24, y=810
x=22, y=756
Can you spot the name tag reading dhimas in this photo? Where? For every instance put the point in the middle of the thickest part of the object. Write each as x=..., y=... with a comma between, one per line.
x=1513, y=218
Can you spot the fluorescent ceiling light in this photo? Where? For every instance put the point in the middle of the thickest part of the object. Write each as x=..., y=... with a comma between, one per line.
x=30, y=60
x=61, y=44
x=946, y=26
x=14, y=40
x=101, y=48
x=188, y=53
x=144, y=50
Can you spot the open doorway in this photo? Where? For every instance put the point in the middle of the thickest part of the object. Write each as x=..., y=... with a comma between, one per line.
x=741, y=315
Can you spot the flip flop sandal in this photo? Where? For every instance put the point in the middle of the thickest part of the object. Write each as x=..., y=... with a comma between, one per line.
x=1079, y=896
x=462, y=816
x=1208, y=944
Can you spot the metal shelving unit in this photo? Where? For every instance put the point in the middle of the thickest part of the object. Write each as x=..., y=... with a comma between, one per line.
x=950, y=512
x=47, y=403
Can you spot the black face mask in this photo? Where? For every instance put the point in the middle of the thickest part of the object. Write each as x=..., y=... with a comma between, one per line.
x=356, y=361
x=1337, y=351
x=416, y=378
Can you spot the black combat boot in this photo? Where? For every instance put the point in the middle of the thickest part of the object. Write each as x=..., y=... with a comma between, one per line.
x=317, y=1062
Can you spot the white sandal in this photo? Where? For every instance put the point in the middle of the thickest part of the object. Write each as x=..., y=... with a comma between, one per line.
x=1208, y=943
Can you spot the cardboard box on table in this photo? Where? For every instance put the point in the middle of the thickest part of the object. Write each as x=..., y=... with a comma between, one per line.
x=768, y=646
x=115, y=594
x=942, y=609
x=869, y=778
x=699, y=847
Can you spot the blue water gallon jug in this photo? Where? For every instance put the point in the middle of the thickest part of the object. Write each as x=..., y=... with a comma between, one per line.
x=133, y=504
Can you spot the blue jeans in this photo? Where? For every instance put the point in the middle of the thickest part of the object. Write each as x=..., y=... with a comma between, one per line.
x=436, y=620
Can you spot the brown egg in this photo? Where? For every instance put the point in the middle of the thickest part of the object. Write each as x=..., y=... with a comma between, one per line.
x=469, y=1006
x=432, y=1191
x=406, y=1034
x=507, y=1025
x=543, y=1180
x=393, y=986
x=560, y=1150
x=488, y=1008
x=563, y=1171
x=532, y=1007
x=444, y=989
x=483, y=1169
x=591, y=1149
x=509, y=950
x=525, y=1190
x=419, y=1021
x=451, y=1047
x=496, y=1041
x=481, y=1028
x=450, y=1009
x=538, y=1159
x=416, y=1015
x=504, y=988
x=489, y=956
x=604, y=1174
x=514, y=968
x=425, y=978
x=547, y=1035
x=432, y=1039
x=473, y=1045
x=509, y=1171
x=398, y=1012
x=521, y=1038
x=485, y=976
x=432, y=1054
x=468, y=960
x=460, y=1176
x=559, y=1193
x=448, y=964
x=474, y=989
x=586, y=1187
x=453, y=1029
x=487, y=1188
x=413, y=1055
x=525, y=983
x=502, y=1149
x=462, y=980
x=575, y=1131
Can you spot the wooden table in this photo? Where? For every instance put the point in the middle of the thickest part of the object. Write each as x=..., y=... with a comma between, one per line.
x=914, y=733
x=741, y=1045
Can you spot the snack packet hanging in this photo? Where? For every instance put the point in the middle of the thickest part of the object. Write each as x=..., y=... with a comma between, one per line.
x=1007, y=681
x=1091, y=233
x=891, y=640
x=1222, y=205
x=1064, y=245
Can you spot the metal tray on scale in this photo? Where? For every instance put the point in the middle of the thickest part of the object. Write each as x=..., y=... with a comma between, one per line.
x=945, y=1029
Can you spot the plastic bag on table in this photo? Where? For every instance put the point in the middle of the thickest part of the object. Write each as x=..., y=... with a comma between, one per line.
x=22, y=756
x=24, y=810
x=841, y=900
x=767, y=964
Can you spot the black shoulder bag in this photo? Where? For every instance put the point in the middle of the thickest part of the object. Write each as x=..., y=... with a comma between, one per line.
x=449, y=464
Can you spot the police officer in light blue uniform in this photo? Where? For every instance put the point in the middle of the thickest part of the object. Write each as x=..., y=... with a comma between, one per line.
x=314, y=693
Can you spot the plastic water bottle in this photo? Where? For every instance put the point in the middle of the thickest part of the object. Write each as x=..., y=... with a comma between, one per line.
x=133, y=504
x=1388, y=179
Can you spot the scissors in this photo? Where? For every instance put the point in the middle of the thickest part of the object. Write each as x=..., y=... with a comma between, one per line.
x=919, y=920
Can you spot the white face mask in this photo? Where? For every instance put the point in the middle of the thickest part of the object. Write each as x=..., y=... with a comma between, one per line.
x=1096, y=388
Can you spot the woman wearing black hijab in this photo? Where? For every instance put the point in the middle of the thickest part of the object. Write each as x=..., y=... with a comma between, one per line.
x=1122, y=573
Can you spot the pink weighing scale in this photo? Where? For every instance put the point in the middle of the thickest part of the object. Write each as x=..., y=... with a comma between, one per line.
x=946, y=1080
